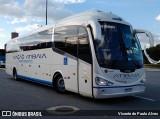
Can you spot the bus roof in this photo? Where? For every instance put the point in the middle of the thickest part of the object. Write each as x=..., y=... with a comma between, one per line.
x=82, y=18
x=92, y=16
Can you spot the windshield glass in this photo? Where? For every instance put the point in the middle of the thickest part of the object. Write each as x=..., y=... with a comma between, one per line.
x=118, y=49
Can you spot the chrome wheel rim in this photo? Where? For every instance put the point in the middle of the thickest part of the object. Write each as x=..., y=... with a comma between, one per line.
x=61, y=83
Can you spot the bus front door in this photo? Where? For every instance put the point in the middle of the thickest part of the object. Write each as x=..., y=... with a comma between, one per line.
x=84, y=64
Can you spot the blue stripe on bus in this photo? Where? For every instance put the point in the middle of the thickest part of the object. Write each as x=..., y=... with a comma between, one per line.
x=35, y=80
x=119, y=86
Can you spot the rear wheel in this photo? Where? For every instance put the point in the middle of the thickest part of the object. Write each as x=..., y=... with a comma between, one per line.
x=59, y=84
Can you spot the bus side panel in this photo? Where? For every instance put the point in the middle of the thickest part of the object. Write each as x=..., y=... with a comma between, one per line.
x=85, y=79
x=68, y=68
x=9, y=63
x=35, y=66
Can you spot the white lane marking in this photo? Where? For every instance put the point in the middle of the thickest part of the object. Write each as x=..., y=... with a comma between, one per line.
x=145, y=98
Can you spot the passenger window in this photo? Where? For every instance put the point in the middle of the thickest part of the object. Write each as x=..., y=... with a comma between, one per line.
x=66, y=39
x=28, y=43
x=44, y=39
x=84, y=47
x=39, y=40
x=13, y=46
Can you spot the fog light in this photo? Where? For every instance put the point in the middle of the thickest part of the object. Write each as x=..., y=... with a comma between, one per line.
x=143, y=80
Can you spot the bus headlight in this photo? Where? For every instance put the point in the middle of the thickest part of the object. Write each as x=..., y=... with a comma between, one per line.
x=103, y=82
x=143, y=80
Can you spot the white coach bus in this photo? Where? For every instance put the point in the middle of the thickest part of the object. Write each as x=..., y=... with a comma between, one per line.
x=95, y=54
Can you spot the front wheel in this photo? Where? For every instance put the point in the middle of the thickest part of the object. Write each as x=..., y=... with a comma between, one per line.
x=60, y=86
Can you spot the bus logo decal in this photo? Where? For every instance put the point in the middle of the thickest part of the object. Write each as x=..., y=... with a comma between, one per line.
x=36, y=56
x=126, y=76
x=29, y=58
x=32, y=56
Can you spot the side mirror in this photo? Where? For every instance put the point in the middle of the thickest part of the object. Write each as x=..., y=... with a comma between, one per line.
x=151, y=41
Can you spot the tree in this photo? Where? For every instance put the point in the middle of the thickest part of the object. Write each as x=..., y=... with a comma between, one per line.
x=153, y=52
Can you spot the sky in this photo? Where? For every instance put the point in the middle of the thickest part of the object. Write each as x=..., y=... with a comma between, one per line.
x=23, y=16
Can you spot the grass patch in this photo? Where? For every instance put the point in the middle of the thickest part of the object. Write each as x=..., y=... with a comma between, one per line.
x=152, y=66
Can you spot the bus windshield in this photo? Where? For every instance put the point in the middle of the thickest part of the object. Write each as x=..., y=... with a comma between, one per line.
x=118, y=48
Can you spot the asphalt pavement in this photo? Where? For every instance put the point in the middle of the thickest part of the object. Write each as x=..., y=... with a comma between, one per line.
x=25, y=95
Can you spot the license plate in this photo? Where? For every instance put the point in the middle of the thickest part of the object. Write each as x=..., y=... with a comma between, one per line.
x=128, y=90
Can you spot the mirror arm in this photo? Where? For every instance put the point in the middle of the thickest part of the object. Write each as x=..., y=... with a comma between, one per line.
x=151, y=41
x=149, y=34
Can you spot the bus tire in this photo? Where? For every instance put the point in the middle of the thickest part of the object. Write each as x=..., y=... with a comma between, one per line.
x=15, y=75
x=59, y=84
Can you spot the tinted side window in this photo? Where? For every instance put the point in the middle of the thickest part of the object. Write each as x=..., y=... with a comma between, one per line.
x=66, y=39
x=27, y=43
x=44, y=39
x=39, y=40
x=84, y=47
x=13, y=46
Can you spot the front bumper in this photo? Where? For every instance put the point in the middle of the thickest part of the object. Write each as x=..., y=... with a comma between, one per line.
x=117, y=91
